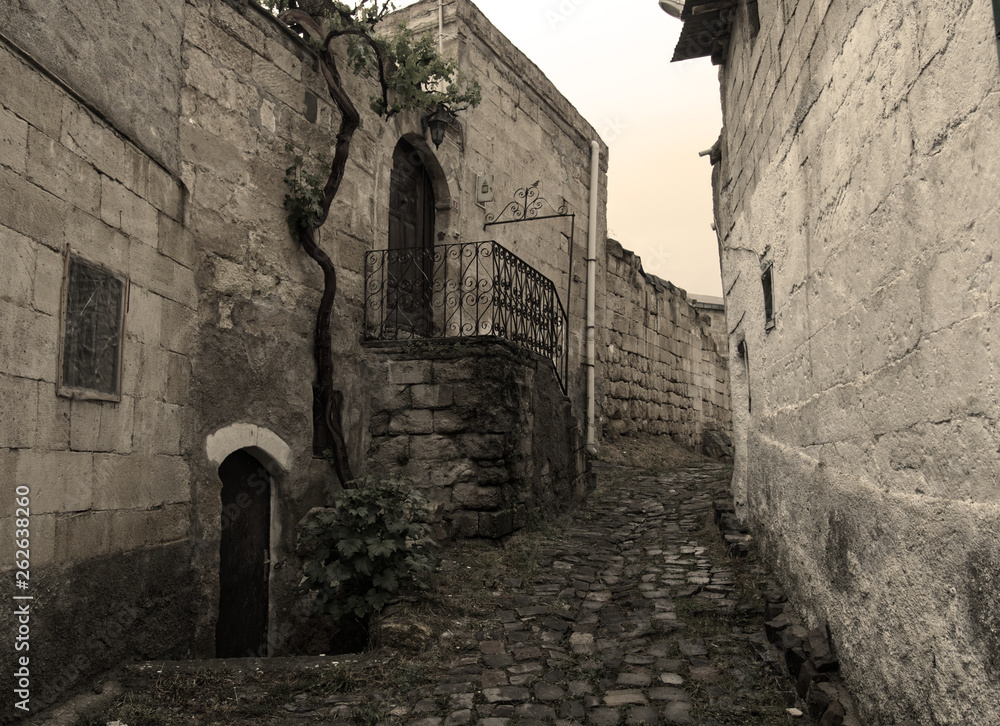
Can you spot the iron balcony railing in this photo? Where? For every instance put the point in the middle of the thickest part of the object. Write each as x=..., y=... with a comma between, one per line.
x=472, y=289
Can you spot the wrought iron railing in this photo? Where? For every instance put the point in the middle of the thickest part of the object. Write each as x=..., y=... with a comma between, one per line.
x=472, y=289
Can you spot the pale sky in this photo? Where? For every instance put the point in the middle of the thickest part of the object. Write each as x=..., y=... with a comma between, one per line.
x=614, y=66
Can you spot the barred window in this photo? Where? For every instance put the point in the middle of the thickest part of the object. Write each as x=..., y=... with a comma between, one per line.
x=93, y=324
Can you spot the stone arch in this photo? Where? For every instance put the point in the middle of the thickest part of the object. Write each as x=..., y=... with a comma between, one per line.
x=258, y=441
x=271, y=451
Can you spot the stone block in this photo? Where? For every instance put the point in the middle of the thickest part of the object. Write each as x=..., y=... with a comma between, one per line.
x=29, y=95
x=473, y=496
x=53, y=418
x=17, y=260
x=157, y=427
x=47, y=280
x=32, y=211
x=28, y=346
x=284, y=59
x=449, y=422
x=496, y=524
x=13, y=141
x=87, y=137
x=433, y=447
x=62, y=173
x=177, y=327
x=275, y=81
x=165, y=192
x=178, y=379
x=483, y=446
x=432, y=395
x=60, y=481
x=140, y=481
x=175, y=241
x=465, y=524
x=411, y=422
x=124, y=210
x=19, y=402
x=408, y=372
x=391, y=398
x=452, y=371
x=162, y=275
x=170, y=524
x=82, y=535
x=226, y=50
x=390, y=451
x=102, y=426
x=128, y=530
x=144, y=316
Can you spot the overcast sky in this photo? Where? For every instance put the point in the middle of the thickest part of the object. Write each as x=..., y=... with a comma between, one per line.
x=612, y=61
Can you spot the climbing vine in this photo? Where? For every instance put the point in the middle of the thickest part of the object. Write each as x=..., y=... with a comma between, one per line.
x=411, y=75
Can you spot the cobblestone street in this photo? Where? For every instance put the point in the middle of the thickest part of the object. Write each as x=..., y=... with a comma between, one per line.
x=632, y=614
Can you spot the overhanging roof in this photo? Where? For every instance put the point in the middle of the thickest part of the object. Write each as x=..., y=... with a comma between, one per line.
x=707, y=24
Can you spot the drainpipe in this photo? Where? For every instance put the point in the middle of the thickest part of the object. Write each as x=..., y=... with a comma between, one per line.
x=441, y=27
x=595, y=167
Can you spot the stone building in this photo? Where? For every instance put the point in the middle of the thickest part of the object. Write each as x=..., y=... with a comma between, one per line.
x=156, y=366
x=854, y=198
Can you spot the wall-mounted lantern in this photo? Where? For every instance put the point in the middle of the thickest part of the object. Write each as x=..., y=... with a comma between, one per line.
x=674, y=8
x=438, y=123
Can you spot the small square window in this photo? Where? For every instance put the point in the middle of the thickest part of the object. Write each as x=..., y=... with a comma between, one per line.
x=92, y=331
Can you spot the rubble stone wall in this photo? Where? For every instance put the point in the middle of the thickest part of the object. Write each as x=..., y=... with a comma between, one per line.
x=857, y=162
x=664, y=375
x=482, y=427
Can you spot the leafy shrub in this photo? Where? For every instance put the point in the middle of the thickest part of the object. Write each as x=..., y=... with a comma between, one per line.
x=366, y=548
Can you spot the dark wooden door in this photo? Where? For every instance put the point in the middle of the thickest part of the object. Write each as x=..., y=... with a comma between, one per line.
x=244, y=563
x=411, y=242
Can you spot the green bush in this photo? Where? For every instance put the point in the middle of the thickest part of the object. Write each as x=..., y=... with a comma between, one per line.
x=365, y=549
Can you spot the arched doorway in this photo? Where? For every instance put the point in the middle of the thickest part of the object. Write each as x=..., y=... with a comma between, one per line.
x=411, y=242
x=244, y=557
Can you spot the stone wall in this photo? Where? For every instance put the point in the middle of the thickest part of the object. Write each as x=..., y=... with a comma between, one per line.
x=857, y=161
x=664, y=375
x=482, y=427
x=109, y=481
x=161, y=153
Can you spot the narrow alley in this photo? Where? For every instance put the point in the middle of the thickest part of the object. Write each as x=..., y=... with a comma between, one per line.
x=627, y=611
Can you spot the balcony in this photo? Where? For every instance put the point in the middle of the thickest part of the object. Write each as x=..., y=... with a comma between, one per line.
x=465, y=290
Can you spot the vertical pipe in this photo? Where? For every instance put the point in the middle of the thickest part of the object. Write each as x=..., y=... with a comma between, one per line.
x=441, y=27
x=595, y=165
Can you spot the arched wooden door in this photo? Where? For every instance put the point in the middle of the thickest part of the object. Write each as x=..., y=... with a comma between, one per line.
x=244, y=561
x=411, y=243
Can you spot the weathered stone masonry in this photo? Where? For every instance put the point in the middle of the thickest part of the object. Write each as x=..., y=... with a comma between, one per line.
x=110, y=485
x=664, y=375
x=482, y=427
x=858, y=165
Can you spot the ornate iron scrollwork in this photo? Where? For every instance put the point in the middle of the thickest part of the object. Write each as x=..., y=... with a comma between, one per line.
x=464, y=290
x=526, y=205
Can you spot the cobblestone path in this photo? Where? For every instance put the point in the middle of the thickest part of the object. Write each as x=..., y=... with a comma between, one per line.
x=631, y=614
x=606, y=633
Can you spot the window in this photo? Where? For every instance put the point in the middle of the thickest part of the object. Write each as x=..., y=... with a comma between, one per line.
x=767, y=282
x=753, y=17
x=741, y=351
x=92, y=331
